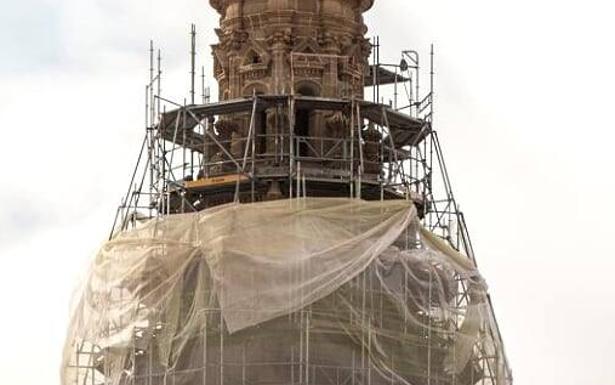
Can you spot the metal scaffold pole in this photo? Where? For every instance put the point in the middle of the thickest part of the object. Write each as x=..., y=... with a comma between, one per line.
x=192, y=63
x=313, y=131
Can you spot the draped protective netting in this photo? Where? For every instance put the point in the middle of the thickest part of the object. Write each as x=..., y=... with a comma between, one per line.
x=306, y=291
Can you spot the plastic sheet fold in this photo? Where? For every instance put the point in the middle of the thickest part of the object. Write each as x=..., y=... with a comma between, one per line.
x=362, y=284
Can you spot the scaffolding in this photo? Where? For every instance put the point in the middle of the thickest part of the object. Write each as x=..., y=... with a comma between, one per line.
x=190, y=161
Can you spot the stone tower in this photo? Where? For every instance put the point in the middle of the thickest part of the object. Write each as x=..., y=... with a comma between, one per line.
x=291, y=75
x=290, y=289
x=281, y=47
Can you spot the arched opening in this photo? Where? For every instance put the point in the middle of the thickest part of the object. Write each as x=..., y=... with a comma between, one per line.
x=260, y=121
x=252, y=58
x=304, y=118
x=308, y=89
x=254, y=88
x=302, y=131
x=309, y=50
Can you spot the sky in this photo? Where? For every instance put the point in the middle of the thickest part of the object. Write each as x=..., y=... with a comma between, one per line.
x=524, y=101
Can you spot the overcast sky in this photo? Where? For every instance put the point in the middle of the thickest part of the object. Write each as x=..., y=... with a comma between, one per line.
x=524, y=111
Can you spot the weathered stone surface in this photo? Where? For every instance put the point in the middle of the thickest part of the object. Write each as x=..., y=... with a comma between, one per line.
x=309, y=47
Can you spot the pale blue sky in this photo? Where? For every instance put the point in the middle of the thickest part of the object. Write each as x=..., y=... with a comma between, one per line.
x=30, y=40
x=524, y=101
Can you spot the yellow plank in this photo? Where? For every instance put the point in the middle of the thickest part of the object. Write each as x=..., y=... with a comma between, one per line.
x=215, y=181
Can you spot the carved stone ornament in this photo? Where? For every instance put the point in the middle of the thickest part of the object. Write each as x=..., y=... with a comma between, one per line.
x=337, y=125
x=225, y=129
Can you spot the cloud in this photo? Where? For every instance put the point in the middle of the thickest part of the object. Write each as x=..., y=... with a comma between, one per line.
x=31, y=36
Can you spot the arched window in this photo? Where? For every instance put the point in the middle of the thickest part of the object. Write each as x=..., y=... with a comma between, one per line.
x=309, y=50
x=307, y=88
x=255, y=88
x=252, y=57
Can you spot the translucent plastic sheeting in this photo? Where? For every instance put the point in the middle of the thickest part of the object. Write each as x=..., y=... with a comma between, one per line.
x=235, y=270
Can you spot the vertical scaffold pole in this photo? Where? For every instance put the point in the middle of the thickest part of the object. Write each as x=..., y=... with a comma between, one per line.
x=205, y=149
x=429, y=327
x=307, y=346
x=351, y=167
x=192, y=62
x=247, y=147
x=418, y=84
x=152, y=105
x=291, y=161
x=158, y=82
x=374, y=71
x=205, y=348
x=360, y=144
x=155, y=170
x=253, y=168
x=298, y=180
x=431, y=83
x=149, y=123
x=150, y=363
x=203, y=84
x=221, y=348
x=377, y=68
x=395, y=91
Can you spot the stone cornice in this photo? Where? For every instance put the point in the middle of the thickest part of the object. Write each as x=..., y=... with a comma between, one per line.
x=220, y=5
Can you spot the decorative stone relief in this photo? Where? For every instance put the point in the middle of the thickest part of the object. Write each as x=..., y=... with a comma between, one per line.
x=371, y=150
x=257, y=39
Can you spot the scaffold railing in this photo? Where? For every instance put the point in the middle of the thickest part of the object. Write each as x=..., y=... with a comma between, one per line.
x=384, y=151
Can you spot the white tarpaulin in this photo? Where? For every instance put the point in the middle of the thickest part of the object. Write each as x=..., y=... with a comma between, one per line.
x=256, y=262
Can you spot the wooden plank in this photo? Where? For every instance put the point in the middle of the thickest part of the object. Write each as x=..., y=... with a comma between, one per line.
x=216, y=181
